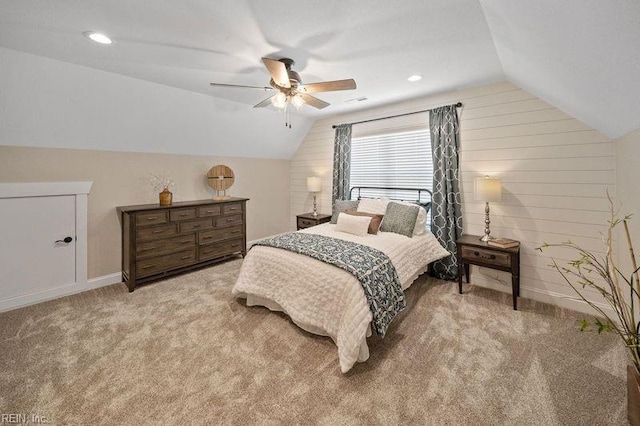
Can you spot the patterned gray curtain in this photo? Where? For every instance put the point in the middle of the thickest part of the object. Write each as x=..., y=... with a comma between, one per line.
x=341, y=162
x=446, y=210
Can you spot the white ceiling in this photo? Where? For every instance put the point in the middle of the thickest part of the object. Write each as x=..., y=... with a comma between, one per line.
x=583, y=56
x=580, y=55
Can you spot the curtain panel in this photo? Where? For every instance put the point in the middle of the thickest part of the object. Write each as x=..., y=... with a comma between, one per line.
x=341, y=162
x=446, y=210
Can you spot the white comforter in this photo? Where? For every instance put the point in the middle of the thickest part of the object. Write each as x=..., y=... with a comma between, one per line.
x=324, y=299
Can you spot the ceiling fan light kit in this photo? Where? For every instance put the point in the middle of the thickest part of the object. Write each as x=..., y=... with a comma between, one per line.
x=290, y=89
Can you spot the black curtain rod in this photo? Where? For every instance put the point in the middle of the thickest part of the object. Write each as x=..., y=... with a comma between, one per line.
x=458, y=105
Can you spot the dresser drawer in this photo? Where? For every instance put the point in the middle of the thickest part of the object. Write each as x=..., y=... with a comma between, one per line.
x=208, y=237
x=163, y=263
x=487, y=256
x=208, y=211
x=167, y=245
x=231, y=208
x=182, y=214
x=196, y=225
x=156, y=232
x=151, y=218
x=228, y=220
x=212, y=251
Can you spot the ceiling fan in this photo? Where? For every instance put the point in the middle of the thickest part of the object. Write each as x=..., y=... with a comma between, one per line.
x=290, y=90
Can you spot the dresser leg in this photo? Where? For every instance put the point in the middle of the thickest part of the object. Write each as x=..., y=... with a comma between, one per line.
x=460, y=269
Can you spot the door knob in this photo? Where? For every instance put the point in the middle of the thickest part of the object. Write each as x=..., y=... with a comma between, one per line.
x=66, y=240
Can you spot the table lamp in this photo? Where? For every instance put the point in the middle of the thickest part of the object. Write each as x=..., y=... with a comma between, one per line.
x=314, y=185
x=488, y=190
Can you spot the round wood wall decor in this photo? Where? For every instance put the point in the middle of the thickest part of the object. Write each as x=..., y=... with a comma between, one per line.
x=220, y=178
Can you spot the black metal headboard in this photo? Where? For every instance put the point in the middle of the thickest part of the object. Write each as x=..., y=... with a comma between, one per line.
x=411, y=195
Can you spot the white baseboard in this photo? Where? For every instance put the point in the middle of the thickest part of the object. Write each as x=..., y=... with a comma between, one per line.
x=104, y=280
x=54, y=293
x=573, y=303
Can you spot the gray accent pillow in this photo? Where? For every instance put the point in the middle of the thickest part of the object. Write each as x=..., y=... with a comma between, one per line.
x=341, y=206
x=400, y=218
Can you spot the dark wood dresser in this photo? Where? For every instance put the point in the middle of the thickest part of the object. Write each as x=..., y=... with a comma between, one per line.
x=158, y=241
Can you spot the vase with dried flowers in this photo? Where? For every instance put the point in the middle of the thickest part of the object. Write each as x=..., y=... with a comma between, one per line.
x=620, y=290
x=162, y=185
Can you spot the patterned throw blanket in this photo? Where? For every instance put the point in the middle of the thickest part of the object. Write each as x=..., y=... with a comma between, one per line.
x=371, y=267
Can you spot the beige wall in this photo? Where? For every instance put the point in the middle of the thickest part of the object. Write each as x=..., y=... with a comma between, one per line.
x=554, y=169
x=120, y=179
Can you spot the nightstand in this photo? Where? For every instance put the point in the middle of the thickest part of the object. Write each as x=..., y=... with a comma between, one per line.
x=472, y=251
x=308, y=220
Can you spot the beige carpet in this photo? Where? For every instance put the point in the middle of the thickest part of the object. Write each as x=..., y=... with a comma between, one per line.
x=184, y=351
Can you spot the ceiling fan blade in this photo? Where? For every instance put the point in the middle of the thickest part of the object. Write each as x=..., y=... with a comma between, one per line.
x=278, y=72
x=241, y=86
x=329, y=86
x=264, y=103
x=313, y=101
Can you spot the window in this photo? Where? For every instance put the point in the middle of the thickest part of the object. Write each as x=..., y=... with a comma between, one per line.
x=396, y=160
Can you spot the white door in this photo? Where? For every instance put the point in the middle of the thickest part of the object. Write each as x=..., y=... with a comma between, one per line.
x=34, y=256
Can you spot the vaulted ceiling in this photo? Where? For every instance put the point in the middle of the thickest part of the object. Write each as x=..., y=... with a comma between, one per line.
x=582, y=56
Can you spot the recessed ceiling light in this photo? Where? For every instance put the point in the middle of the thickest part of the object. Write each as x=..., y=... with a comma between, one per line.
x=415, y=77
x=98, y=37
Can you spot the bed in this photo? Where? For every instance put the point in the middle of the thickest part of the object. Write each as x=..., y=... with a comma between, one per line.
x=327, y=300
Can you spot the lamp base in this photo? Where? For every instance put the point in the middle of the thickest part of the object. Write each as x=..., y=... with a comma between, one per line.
x=486, y=237
x=315, y=210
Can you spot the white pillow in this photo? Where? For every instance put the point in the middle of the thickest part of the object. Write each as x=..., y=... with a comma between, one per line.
x=373, y=205
x=421, y=221
x=356, y=225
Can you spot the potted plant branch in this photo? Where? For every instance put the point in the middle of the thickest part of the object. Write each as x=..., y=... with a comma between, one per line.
x=620, y=290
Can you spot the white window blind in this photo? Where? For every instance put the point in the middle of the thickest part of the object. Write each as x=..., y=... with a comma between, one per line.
x=395, y=160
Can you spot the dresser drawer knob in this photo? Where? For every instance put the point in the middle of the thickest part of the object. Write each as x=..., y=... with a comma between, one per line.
x=185, y=242
x=229, y=220
x=159, y=231
x=184, y=214
x=196, y=225
x=185, y=257
x=206, y=238
x=152, y=217
x=235, y=231
x=147, y=266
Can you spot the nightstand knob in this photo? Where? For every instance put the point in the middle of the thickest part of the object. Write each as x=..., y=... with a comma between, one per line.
x=477, y=254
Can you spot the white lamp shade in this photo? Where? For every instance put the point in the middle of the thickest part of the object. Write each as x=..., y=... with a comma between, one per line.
x=314, y=184
x=297, y=101
x=279, y=100
x=488, y=189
